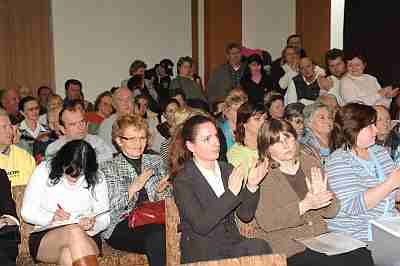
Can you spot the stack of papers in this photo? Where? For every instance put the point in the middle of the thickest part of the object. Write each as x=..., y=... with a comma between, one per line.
x=333, y=243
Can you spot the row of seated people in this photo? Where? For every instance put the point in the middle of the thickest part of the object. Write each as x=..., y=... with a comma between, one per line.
x=285, y=189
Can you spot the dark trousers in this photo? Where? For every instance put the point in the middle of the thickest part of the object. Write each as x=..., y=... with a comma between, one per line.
x=148, y=239
x=361, y=257
x=8, y=253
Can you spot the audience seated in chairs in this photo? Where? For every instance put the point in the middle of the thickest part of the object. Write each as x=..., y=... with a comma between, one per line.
x=132, y=178
x=208, y=193
x=67, y=189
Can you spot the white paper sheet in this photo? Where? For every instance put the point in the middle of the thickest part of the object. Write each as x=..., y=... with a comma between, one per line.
x=333, y=243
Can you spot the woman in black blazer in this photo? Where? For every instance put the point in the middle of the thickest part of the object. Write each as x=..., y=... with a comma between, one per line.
x=209, y=192
x=9, y=235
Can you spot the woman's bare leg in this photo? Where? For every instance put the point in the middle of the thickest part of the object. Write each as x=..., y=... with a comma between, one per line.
x=65, y=245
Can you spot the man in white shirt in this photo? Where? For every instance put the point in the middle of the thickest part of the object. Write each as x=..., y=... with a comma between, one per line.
x=308, y=85
x=335, y=62
x=73, y=125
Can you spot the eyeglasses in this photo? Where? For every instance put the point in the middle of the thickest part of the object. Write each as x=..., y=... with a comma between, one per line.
x=134, y=139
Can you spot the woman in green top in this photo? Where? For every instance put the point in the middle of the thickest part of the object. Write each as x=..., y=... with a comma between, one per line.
x=249, y=119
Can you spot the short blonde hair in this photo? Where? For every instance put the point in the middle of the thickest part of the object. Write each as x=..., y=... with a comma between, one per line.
x=233, y=100
x=126, y=121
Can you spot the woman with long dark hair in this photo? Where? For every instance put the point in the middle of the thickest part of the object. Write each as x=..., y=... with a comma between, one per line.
x=209, y=192
x=255, y=81
x=66, y=191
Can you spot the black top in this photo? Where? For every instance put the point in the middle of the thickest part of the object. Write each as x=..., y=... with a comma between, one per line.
x=256, y=91
x=137, y=164
x=7, y=204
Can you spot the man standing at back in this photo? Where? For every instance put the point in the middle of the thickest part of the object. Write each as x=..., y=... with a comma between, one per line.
x=226, y=76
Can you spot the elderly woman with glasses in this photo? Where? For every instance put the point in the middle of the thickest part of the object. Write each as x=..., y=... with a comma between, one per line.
x=32, y=131
x=134, y=177
x=67, y=202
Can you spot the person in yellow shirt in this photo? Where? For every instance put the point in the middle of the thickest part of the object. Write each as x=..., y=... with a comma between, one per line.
x=18, y=163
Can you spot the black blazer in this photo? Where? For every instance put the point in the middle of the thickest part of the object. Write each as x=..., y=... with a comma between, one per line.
x=7, y=204
x=207, y=222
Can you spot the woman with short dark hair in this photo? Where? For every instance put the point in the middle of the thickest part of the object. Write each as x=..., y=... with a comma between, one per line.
x=209, y=192
x=67, y=190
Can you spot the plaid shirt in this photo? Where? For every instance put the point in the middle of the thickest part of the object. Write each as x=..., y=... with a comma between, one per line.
x=119, y=174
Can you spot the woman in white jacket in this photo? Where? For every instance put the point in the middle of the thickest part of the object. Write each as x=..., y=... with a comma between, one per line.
x=68, y=205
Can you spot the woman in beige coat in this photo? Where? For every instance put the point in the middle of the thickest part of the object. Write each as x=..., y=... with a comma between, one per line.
x=295, y=199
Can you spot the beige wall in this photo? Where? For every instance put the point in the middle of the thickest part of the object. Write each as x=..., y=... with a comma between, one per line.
x=96, y=40
x=267, y=24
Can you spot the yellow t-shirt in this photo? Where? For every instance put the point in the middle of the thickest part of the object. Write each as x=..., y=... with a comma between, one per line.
x=19, y=165
x=240, y=154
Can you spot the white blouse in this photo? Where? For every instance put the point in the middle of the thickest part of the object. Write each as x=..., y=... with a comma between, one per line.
x=362, y=89
x=41, y=200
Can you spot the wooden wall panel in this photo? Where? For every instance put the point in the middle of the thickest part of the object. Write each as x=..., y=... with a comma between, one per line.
x=313, y=22
x=222, y=25
x=26, y=44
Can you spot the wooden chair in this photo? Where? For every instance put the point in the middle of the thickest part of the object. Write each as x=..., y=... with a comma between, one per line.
x=262, y=260
x=173, y=249
x=111, y=257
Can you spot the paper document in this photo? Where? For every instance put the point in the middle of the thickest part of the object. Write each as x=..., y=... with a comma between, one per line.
x=64, y=223
x=333, y=243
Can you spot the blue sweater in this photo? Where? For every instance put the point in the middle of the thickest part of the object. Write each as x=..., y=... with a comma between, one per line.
x=349, y=180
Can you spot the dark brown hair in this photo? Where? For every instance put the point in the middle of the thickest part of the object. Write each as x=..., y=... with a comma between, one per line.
x=269, y=134
x=244, y=113
x=349, y=121
x=178, y=152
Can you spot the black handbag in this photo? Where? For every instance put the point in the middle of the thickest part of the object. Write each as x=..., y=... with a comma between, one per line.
x=10, y=233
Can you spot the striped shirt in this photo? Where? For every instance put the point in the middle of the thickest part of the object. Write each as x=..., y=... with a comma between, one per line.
x=350, y=180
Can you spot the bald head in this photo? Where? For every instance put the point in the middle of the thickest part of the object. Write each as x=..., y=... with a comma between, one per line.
x=10, y=101
x=307, y=68
x=123, y=101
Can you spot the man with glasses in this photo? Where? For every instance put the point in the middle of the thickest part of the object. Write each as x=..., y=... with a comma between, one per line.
x=73, y=126
x=17, y=162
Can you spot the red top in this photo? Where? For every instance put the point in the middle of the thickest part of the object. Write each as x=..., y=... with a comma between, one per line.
x=94, y=118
